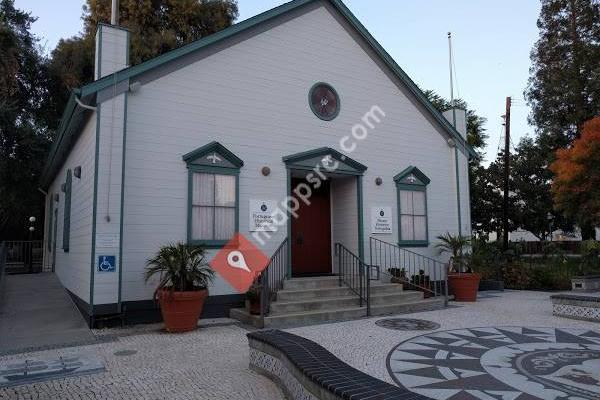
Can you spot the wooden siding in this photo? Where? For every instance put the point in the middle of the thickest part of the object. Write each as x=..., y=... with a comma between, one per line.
x=73, y=268
x=252, y=98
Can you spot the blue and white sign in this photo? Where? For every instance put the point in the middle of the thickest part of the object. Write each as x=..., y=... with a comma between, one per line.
x=107, y=264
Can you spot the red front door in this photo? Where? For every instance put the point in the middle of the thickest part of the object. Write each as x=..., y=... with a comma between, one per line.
x=311, y=233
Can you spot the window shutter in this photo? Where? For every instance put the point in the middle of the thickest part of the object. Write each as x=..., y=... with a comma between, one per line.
x=67, y=216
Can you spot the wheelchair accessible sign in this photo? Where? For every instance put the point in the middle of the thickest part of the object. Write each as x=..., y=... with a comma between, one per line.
x=106, y=263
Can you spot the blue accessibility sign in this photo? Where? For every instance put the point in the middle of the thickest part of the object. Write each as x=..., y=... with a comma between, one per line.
x=106, y=264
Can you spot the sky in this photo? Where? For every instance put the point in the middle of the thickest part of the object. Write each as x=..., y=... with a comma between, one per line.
x=492, y=41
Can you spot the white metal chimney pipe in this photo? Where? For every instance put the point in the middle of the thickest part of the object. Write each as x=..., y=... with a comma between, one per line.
x=114, y=14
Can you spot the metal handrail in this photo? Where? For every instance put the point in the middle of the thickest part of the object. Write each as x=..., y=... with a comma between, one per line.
x=354, y=273
x=272, y=277
x=418, y=271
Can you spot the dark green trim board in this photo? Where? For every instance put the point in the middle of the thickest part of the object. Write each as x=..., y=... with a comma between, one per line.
x=337, y=97
x=231, y=166
x=361, y=227
x=50, y=198
x=88, y=93
x=289, y=223
x=294, y=161
x=458, y=191
x=421, y=186
x=67, y=212
x=123, y=159
x=95, y=208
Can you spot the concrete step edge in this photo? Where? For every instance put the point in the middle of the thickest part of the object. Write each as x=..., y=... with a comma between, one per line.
x=316, y=312
x=319, y=300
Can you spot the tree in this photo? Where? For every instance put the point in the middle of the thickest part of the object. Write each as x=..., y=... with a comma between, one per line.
x=156, y=26
x=23, y=145
x=485, y=199
x=531, y=187
x=476, y=135
x=564, y=86
x=576, y=187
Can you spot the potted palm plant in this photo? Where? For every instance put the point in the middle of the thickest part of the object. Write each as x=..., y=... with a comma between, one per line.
x=462, y=281
x=183, y=284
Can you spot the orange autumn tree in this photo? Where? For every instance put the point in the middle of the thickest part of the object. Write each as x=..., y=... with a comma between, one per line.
x=576, y=186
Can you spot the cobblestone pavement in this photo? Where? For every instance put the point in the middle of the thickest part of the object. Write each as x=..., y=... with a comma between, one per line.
x=210, y=363
x=366, y=346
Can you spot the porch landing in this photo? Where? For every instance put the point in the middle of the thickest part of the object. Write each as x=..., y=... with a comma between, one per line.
x=308, y=301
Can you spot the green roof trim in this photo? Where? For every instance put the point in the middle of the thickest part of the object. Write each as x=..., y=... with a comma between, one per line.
x=213, y=147
x=88, y=92
x=324, y=151
x=424, y=180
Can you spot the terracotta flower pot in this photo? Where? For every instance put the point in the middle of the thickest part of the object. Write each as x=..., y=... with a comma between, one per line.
x=181, y=310
x=464, y=286
x=253, y=306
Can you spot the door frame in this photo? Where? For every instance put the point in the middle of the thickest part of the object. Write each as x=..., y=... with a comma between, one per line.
x=305, y=161
x=331, y=242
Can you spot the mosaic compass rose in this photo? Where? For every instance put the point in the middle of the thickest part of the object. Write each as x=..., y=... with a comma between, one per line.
x=500, y=363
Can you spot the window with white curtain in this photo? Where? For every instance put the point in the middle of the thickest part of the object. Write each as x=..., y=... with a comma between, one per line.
x=213, y=207
x=411, y=185
x=413, y=216
x=213, y=195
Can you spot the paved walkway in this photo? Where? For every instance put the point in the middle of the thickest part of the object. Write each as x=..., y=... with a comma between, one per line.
x=507, y=346
x=143, y=362
x=36, y=312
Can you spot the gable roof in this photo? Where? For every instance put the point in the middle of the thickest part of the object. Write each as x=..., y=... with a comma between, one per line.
x=72, y=121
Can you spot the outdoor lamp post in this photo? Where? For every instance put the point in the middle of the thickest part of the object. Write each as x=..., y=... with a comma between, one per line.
x=30, y=244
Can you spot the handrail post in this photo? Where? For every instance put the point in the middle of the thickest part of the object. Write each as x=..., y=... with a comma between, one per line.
x=360, y=280
x=369, y=290
x=264, y=293
x=339, y=256
x=445, y=285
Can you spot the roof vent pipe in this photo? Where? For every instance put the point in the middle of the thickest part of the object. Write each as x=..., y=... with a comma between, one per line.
x=114, y=14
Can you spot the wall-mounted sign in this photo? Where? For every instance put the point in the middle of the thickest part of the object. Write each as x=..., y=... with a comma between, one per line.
x=107, y=240
x=261, y=215
x=381, y=220
x=107, y=264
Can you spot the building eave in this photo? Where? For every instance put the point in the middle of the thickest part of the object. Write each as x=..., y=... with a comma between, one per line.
x=89, y=92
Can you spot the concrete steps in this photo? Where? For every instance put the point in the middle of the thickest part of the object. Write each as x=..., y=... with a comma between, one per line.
x=306, y=301
x=314, y=317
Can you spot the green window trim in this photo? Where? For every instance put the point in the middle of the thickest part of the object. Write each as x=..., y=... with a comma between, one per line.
x=67, y=214
x=196, y=163
x=412, y=179
x=50, y=217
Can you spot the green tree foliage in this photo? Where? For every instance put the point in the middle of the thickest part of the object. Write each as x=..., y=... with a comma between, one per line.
x=484, y=196
x=23, y=146
x=156, y=26
x=564, y=87
x=476, y=135
x=531, y=183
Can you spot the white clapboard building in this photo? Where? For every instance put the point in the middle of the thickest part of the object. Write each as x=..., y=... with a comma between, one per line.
x=195, y=144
